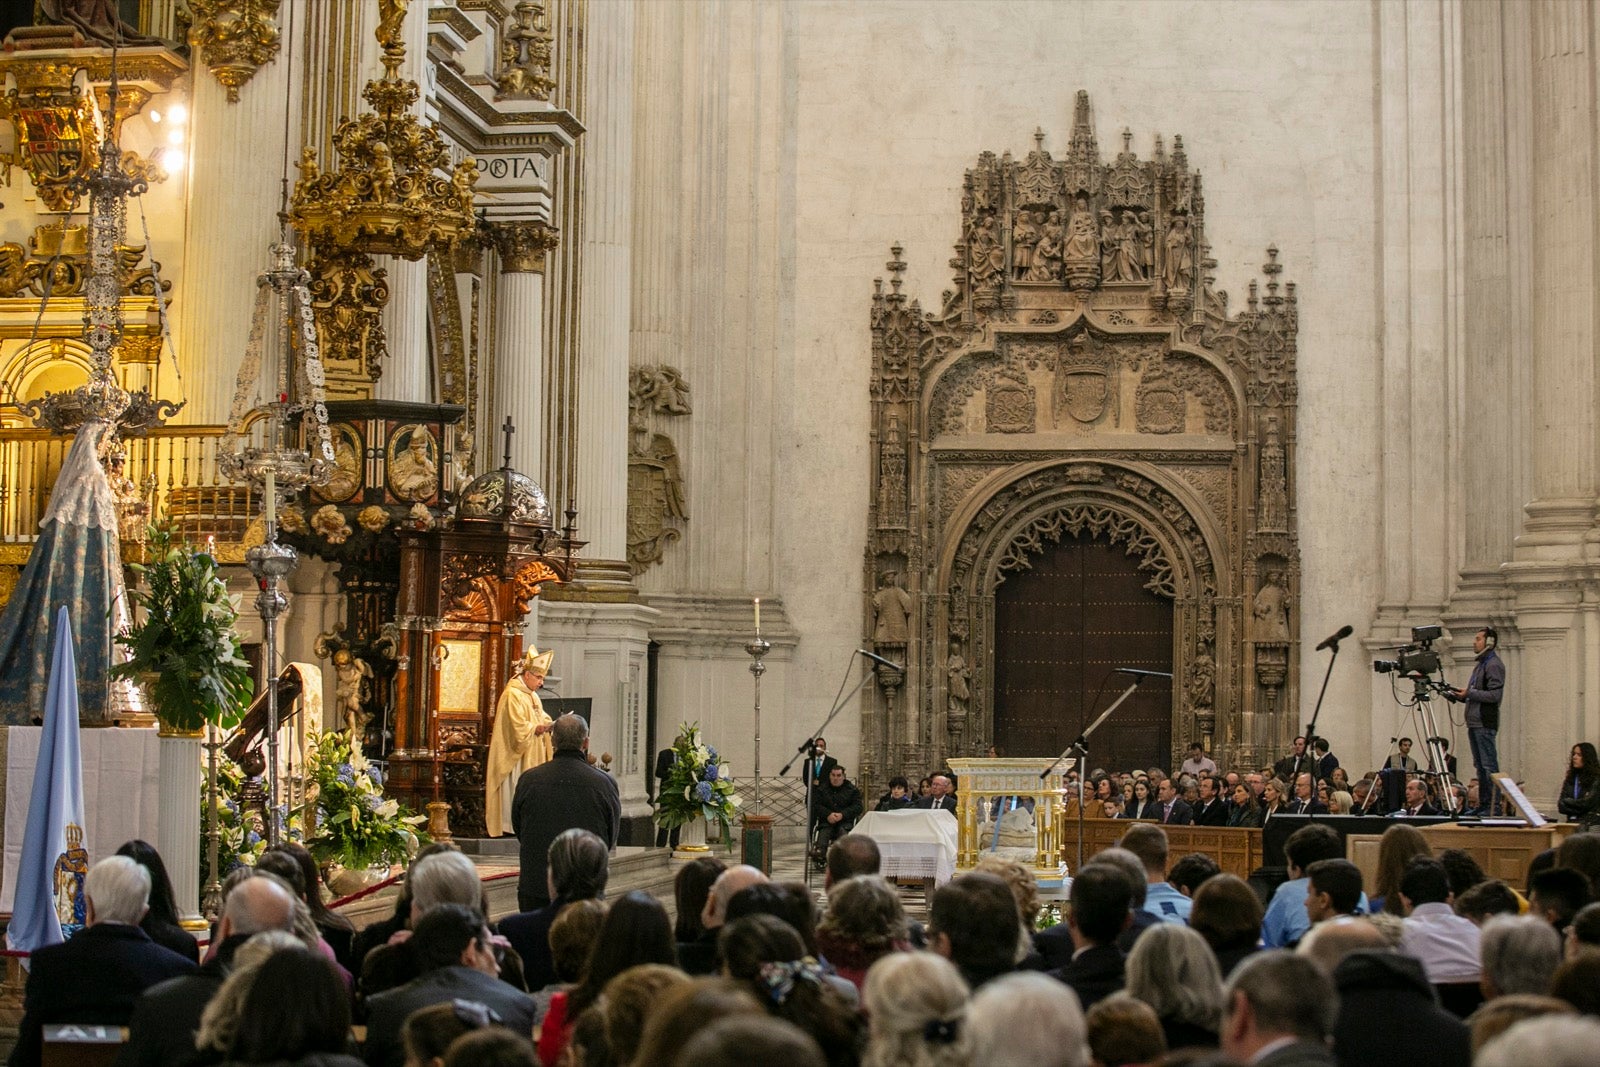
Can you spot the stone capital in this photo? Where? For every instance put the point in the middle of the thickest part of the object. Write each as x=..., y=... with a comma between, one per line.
x=522, y=245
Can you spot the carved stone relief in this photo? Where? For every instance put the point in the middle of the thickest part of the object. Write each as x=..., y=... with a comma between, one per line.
x=657, y=507
x=1085, y=372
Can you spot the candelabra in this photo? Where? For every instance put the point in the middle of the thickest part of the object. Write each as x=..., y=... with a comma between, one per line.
x=211, y=896
x=757, y=649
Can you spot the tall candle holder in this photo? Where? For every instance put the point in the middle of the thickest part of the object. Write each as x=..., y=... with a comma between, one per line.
x=757, y=649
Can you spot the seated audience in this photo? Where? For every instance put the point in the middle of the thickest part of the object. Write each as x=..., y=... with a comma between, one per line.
x=1149, y=844
x=1417, y=805
x=835, y=806
x=741, y=1040
x=1101, y=897
x=697, y=949
x=1577, y=981
x=455, y=960
x=1557, y=894
x=99, y=974
x=161, y=921
x=851, y=856
x=703, y=960
x=572, y=938
x=1327, y=944
x=1584, y=929
x=283, y=865
x=1486, y=899
x=1333, y=890
x=1549, y=1041
x=1133, y=869
x=1286, y=920
x=1280, y=1012
x=1123, y=1032
x=1024, y=887
x=941, y=794
x=628, y=1000
x=916, y=1005
x=1517, y=954
x=1581, y=852
x=219, y=1023
x=1274, y=798
x=1462, y=870
x=684, y=1011
x=1245, y=811
x=1027, y=1020
x=1580, y=789
x=1191, y=872
x=789, y=901
x=1396, y=848
x=636, y=930
x=297, y=1014
x=974, y=923
x=162, y=1030
x=380, y=932
x=1171, y=968
x=1502, y=1013
x=1212, y=809
x=577, y=866
x=429, y=1032
x=1143, y=805
x=865, y=922
x=1227, y=913
x=444, y=877
x=1340, y=802
x=336, y=931
x=767, y=953
x=1446, y=943
x=1385, y=1003
x=898, y=798
x=491, y=1047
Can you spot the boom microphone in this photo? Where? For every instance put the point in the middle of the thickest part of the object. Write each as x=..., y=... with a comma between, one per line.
x=1333, y=642
x=1144, y=674
x=879, y=659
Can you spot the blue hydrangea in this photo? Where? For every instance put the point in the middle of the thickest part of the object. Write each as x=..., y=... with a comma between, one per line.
x=703, y=791
x=711, y=755
x=373, y=801
x=710, y=774
x=376, y=776
x=252, y=839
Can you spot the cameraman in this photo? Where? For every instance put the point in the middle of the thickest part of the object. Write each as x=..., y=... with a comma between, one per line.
x=1482, y=694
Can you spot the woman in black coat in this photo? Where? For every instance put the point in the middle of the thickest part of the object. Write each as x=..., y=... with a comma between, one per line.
x=161, y=921
x=1580, y=790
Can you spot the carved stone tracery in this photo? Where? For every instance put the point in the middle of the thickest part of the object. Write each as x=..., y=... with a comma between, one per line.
x=1083, y=375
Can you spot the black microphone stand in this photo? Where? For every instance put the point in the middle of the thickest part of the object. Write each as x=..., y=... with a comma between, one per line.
x=1311, y=731
x=807, y=748
x=1080, y=745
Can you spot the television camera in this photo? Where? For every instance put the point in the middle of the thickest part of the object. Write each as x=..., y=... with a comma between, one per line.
x=1417, y=662
x=1419, y=657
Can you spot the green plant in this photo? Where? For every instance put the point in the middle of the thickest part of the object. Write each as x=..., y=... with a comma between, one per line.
x=185, y=650
x=239, y=838
x=698, y=786
x=356, y=826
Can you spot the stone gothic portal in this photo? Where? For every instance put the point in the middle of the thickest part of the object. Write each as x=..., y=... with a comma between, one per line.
x=1061, y=628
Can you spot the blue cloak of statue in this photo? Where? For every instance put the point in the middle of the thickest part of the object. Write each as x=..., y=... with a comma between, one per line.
x=77, y=562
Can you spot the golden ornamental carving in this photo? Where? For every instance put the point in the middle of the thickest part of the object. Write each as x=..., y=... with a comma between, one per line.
x=525, y=39
x=522, y=245
x=57, y=261
x=234, y=38
x=394, y=192
x=348, y=294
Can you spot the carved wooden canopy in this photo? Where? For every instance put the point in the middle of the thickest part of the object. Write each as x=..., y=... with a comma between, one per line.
x=1082, y=375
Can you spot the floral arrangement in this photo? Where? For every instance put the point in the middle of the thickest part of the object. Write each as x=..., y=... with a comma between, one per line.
x=698, y=786
x=239, y=838
x=357, y=827
x=185, y=652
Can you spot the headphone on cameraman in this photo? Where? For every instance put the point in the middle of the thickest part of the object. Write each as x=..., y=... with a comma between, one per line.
x=1490, y=638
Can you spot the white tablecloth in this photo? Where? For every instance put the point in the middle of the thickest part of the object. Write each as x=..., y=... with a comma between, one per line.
x=914, y=843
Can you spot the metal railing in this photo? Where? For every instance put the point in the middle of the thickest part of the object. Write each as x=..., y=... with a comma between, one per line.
x=782, y=798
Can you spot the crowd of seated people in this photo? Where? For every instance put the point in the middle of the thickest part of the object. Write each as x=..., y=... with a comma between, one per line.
x=1157, y=959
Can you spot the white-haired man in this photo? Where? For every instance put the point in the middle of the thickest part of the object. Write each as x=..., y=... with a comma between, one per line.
x=96, y=977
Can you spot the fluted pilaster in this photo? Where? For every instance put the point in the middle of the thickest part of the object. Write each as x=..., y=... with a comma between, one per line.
x=519, y=333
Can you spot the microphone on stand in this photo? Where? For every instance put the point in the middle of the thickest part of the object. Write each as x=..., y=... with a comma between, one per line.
x=1333, y=641
x=879, y=659
x=1143, y=674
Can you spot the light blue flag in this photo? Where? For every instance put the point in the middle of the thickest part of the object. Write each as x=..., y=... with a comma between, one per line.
x=53, y=865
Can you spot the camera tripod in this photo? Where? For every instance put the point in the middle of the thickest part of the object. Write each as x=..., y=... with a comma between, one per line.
x=1439, y=767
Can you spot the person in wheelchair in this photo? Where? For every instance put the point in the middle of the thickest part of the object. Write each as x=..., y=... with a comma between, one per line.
x=835, y=807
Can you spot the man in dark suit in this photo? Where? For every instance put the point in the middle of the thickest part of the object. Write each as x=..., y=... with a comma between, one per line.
x=1327, y=762
x=1213, y=810
x=1305, y=797
x=98, y=976
x=1286, y=768
x=818, y=765
x=561, y=794
x=941, y=796
x=1101, y=896
x=1417, y=805
x=1280, y=1009
x=1172, y=809
x=167, y=1017
x=666, y=759
x=457, y=960
x=835, y=807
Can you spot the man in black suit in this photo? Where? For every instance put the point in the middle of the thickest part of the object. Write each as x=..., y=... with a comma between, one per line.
x=1213, y=810
x=1101, y=896
x=1284, y=770
x=561, y=794
x=835, y=807
x=941, y=794
x=1327, y=762
x=98, y=976
x=457, y=959
x=1305, y=797
x=1282, y=1005
x=167, y=1017
x=1172, y=809
x=666, y=759
x=1417, y=805
x=818, y=765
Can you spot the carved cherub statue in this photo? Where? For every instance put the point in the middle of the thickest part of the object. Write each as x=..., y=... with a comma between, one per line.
x=382, y=172
x=462, y=180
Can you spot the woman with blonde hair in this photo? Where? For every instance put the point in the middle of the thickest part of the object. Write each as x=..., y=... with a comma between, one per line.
x=1340, y=802
x=1274, y=795
x=220, y=1020
x=917, y=1004
x=1173, y=969
x=1398, y=846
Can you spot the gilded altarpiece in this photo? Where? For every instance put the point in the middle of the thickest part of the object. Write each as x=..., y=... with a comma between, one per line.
x=1082, y=377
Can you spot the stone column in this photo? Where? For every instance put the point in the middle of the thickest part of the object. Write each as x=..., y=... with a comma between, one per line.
x=519, y=326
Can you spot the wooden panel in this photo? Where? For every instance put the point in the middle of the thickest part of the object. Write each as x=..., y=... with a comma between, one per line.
x=1060, y=629
x=1503, y=852
x=1237, y=850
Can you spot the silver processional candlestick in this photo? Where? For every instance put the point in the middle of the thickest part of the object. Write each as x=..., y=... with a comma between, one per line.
x=270, y=562
x=757, y=649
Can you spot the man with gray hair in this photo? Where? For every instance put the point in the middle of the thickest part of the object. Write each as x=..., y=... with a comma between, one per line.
x=161, y=1033
x=1027, y=1020
x=1548, y=1040
x=699, y=957
x=1280, y=1011
x=559, y=795
x=441, y=878
x=1519, y=953
x=97, y=977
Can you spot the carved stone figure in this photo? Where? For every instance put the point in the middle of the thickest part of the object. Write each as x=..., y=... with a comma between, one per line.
x=1083, y=242
x=656, y=504
x=1274, y=508
x=1202, y=679
x=1272, y=611
x=957, y=675
x=413, y=473
x=1180, y=256
x=1128, y=258
x=1024, y=236
x=1047, y=253
x=891, y=605
x=987, y=256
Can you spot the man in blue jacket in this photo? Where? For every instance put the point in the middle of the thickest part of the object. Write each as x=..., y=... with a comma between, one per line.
x=1482, y=694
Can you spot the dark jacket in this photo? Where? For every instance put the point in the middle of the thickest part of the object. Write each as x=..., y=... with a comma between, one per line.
x=1302, y=1054
x=310, y=1059
x=171, y=936
x=1182, y=813
x=1385, y=1005
x=1133, y=809
x=1580, y=800
x=1053, y=945
x=1180, y=1034
x=1309, y=807
x=1426, y=811
x=167, y=1017
x=96, y=977
x=889, y=803
x=944, y=803
x=820, y=776
x=529, y=934
x=1094, y=975
x=1212, y=814
x=1250, y=818
x=556, y=796
x=388, y=1011
x=1484, y=690
x=844, y=799
x=699, y=957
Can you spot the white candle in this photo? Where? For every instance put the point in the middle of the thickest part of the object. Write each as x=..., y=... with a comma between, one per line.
x=272, y=498
x=758, y=616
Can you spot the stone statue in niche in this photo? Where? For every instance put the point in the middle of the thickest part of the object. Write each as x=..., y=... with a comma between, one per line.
x=1180, y=256
x=892, y=475
x=1202, y=679
x=1024, y=238
x=988, y=258
x=1125, y=247
x=957, y=675
x=891, y=606
x=1274, y=485
x=1047, y=253
x=1272, y=611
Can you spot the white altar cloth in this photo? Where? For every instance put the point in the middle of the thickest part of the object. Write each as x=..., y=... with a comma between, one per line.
x=914, y=842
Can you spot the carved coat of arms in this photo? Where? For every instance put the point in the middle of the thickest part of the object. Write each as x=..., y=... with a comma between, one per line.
x=1083, y=390
x=655, y=501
